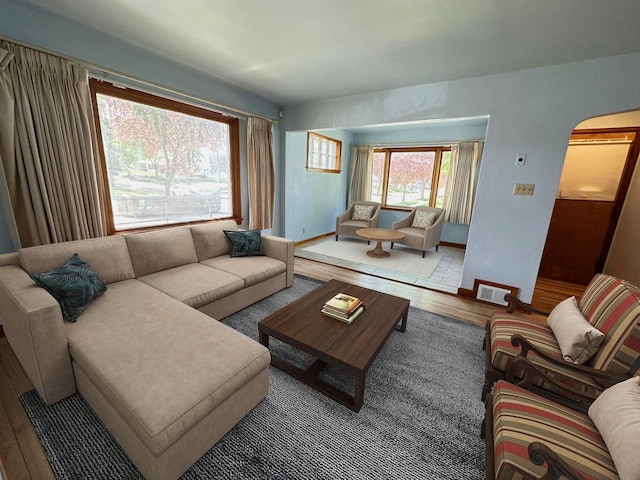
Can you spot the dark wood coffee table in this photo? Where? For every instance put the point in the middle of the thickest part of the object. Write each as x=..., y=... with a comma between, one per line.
x=352, y=347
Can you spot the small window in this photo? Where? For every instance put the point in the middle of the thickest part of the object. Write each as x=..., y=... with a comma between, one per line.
x=323, y=153
x=165, y=162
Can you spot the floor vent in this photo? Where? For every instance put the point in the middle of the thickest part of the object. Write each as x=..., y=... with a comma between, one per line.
x=489, y=293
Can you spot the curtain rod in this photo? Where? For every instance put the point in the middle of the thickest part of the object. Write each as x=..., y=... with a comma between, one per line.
x=108, y=72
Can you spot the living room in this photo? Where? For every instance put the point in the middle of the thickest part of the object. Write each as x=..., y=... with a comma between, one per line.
x=548, y=95
x=531, y=109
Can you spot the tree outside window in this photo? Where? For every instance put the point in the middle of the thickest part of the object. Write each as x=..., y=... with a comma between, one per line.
x=410, y=177
x=165, y=162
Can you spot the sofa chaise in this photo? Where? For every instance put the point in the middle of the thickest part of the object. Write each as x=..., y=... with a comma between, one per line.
x=165, y=378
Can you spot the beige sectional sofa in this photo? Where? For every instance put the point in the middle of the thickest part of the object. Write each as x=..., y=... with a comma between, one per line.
x=166, y=379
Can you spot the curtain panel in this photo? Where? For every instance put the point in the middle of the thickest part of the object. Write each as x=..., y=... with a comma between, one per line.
x=262, y=185
x=361, y=172
x=47, y=147
x=461, y=186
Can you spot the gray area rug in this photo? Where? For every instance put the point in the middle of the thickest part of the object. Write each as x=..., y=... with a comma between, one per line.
x=420, y=420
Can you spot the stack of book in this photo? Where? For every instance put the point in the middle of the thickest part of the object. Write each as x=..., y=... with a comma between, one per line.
x=343, y=307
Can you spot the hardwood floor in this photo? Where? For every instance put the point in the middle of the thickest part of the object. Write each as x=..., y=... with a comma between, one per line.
x=548, y=293
x=20, y=450
x=437, y=302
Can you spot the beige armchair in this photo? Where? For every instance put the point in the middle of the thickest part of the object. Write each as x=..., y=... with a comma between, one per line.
x=347, y=223
x=418, y=237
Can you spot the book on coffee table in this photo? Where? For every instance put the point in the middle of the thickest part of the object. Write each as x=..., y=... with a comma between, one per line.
x=346, y=319
x=343, y=304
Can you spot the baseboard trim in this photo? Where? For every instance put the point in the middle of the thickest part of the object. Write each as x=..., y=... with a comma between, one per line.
x=466, y=293
x=454, y=245
x=314, y=239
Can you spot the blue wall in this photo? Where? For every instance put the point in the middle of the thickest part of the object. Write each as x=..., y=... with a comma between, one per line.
x=313, y=200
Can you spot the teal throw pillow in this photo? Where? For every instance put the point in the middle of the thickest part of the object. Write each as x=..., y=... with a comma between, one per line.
x=74, y=284
x=244, y=243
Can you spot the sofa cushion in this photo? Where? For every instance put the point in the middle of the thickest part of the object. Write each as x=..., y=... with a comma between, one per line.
x=245, y=243
x=613, y=306
x=210, y=240
x=162, y=366
x=521, y=417
x=616, y=414
x=108, y=256
x=577, y=338
x=73, y=284
x=412, y=233
x=355, y=224
x=194, y=284
x=161, y=249
x=423, y=219
x=363, y=212
x=251, y=269
x=504, y=325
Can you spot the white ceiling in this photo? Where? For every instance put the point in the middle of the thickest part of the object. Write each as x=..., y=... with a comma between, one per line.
x=292, y=51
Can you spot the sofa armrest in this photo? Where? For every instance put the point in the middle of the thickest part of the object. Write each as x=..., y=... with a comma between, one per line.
x=280, y=249
x=515, y=302
x=9, y=259
x=344, y=216
x=433, y=233
x=557, y=467
x=530, y=372
x=33, y=324
x=405, y=222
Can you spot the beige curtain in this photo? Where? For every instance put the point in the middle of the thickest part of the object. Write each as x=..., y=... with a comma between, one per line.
x=361, y=171
x=6, y=142
x=262, y=185
x=461, y=185
x=47, y=154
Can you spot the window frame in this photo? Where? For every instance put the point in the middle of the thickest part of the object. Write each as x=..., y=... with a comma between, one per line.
x=337, y=166
x=435, y=177
x=98, y=86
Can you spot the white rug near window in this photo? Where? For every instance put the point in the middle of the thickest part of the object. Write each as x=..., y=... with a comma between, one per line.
x=351, y=251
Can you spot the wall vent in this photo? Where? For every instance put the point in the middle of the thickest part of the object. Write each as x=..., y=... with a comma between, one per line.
x=489, y=293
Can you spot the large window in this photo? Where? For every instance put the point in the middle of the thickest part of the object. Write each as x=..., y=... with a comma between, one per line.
x=165, y=162
x=410, y=177
x=323, y=153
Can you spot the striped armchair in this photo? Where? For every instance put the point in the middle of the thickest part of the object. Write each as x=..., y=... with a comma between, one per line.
x=526, y=351
x=529, y=436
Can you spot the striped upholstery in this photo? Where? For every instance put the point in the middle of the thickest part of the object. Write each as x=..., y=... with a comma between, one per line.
x=503, y=326
x=521, y=417
x=613, y=307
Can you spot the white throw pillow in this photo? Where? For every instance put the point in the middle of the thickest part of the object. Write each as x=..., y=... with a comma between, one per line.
x=578, y=339
x=362, y=212
x=424, y=219
x=616, y=415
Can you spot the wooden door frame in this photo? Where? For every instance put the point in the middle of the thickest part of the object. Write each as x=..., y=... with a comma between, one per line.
x=623, y=187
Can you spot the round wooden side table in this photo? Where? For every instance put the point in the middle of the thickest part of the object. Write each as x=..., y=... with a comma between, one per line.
x=379, y=235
